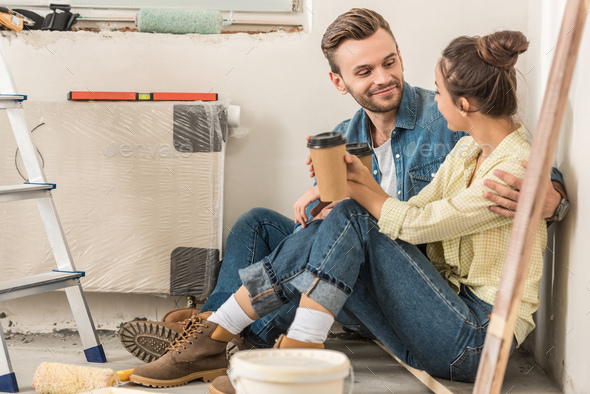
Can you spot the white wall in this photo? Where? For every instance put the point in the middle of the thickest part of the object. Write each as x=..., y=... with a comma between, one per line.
x=281, y=84
x=561, y=342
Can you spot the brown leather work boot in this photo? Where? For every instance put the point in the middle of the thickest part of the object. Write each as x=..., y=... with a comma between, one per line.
x=198, y=353
x=179, y=315
x=222, y=384
x=148, y=340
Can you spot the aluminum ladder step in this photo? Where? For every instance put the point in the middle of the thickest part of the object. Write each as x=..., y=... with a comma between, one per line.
x=11, y=100
x=40, y=283
x=67, y=278
x=13, y=97
x=25, y=191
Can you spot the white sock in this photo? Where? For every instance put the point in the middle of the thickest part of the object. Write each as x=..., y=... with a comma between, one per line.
x=310, y=326
x=231, y=316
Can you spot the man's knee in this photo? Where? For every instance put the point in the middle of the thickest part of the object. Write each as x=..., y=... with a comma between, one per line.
x=348, y=207
x=253, y=218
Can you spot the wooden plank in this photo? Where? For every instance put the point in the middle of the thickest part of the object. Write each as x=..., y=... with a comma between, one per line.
x=424, y=377
x=494, y=358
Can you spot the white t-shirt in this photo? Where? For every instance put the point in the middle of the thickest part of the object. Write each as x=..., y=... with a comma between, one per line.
x=384, y=157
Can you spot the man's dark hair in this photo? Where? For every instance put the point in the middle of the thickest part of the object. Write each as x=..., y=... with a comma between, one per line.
x=356, y=24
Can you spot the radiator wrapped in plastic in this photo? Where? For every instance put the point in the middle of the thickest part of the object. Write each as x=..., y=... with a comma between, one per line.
x=139, y=194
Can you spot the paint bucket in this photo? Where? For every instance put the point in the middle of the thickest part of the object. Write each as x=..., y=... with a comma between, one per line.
x=290, y=371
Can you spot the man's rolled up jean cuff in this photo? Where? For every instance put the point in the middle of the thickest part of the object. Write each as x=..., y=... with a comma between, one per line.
x=266, y=293
x=328, y=295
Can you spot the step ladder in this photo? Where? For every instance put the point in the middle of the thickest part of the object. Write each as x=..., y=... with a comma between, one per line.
x=65, y=277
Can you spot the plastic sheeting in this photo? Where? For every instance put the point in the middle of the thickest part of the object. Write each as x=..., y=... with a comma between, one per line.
x=139, y=194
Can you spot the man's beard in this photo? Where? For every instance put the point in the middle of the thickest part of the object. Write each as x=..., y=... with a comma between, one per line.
x=366, y=100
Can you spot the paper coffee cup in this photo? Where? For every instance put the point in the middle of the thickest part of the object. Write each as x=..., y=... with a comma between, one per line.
x=327, y=154
x=363, y=151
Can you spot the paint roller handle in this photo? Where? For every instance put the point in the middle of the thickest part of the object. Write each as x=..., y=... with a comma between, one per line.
x=124, y=374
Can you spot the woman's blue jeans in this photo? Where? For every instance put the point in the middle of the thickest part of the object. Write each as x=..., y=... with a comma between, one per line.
x=390, y=286
x=254, y=236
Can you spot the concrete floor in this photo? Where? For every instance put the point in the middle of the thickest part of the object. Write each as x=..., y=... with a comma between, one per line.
x=375, y=371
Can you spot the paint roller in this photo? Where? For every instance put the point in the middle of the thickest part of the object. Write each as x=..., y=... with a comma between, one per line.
x=179, y=21
x=55, y=378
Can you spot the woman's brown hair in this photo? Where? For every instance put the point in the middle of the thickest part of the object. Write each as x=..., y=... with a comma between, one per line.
x=481, y=69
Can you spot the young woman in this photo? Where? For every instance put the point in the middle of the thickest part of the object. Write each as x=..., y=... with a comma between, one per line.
x=433, y=311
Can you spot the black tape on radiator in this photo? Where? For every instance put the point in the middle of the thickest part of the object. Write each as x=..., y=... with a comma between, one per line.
x=199, y=127
x=193, y=271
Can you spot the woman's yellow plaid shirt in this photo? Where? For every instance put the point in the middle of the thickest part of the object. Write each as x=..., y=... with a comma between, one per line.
x=466, y=241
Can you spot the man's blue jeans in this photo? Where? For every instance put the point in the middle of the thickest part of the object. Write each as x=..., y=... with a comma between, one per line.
x=389, y=285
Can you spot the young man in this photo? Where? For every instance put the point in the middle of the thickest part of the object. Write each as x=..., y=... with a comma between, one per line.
x=410, y=139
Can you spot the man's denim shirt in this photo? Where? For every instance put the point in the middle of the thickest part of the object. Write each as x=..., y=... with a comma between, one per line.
x=420, y=141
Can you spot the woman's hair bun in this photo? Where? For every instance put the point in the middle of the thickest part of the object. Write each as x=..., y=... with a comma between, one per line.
x=501, y=49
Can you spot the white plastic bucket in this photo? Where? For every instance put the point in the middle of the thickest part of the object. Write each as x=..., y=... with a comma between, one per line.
x=289, y=371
